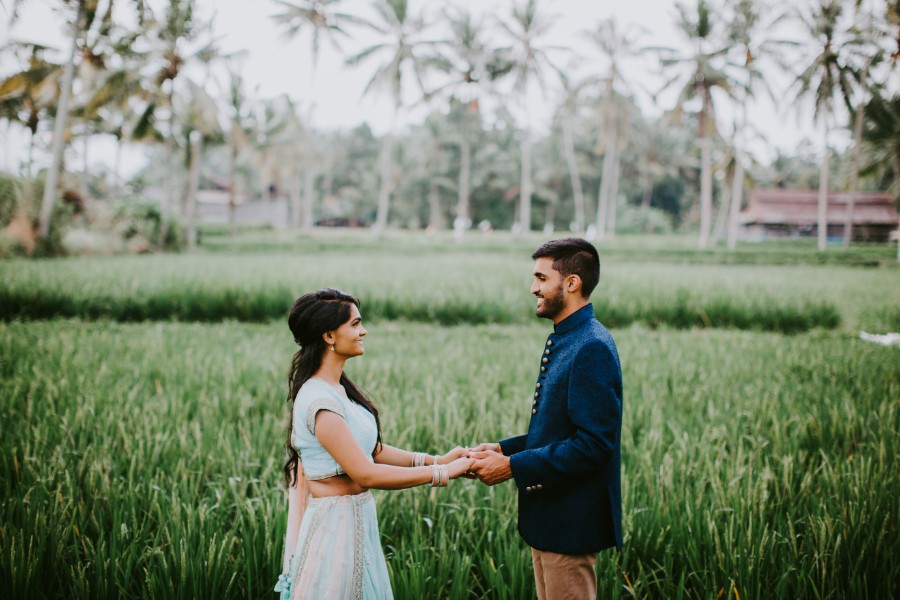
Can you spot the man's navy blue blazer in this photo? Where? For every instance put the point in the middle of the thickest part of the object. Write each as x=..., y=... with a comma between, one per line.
x=567, y=467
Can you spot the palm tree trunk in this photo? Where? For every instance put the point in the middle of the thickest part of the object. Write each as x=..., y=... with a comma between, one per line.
x=737, y=184
x=117, y=166
x=705, y=190
x=295, y=196
x=30, y=162
x=737, y=193
x=309, y=192
x=387, y=166
x=525, y=182
x=647, y=188
x=603, y=195
x=607, y=184
x=723, y=213
x=169, y=199
x=190, y=201
x=574, y=174
x=83, y=183
x=462, y=222
x=312, y=169
x=614, y=190
x=823, y=190
x=59, y=127
x=549, y=217
x=232, y=181
x=854, y=174
x=435, y=216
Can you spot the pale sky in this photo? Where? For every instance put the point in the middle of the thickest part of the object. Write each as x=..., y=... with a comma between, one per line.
x=275, y=65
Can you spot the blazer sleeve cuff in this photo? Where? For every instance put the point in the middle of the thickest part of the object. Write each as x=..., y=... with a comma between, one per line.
x=527, y=481
x=512, y=445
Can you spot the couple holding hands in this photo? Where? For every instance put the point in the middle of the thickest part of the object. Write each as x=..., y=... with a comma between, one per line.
x=566, y=468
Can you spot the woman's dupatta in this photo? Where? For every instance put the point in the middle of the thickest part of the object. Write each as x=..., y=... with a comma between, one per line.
x=298, y=495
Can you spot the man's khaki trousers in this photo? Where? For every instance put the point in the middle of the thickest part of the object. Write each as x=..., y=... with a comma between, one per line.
x=564, y=576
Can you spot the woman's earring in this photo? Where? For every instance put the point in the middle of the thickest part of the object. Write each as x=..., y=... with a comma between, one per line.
x=332, y=347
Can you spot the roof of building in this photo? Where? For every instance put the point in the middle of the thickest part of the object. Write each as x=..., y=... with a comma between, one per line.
x=800, y=207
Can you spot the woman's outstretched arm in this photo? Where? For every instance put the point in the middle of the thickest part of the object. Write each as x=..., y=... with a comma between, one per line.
x=333, y=433
x=389, y=455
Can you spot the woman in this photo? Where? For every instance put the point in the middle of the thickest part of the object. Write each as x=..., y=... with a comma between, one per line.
x=332, y=548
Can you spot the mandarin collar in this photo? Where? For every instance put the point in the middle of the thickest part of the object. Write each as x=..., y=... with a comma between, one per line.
x=574, y=320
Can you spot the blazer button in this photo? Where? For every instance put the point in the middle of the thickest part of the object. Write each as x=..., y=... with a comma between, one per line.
x=539, y=486
x=538, y=385
x=545, y=360
x=549, y=342
x=547, y=351
x=528, y=489
x=536, y=394
x=533, y=411
x=543, y=369
x=535, y=403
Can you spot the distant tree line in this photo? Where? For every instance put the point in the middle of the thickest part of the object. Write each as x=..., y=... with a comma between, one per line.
x=157, y=77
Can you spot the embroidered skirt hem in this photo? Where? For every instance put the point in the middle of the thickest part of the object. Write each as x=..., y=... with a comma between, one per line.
x=338, y=554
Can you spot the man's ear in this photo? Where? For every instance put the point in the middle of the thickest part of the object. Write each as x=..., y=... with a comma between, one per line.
x=573, y=284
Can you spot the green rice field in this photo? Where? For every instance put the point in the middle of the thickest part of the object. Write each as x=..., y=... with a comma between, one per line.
x=141, y=452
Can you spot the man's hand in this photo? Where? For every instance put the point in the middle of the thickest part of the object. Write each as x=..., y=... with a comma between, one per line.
x=490, y=467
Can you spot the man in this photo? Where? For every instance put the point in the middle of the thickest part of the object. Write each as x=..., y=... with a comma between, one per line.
x=567, y=467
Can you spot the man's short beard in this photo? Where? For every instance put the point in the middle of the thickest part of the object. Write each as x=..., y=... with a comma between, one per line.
x=553, y=305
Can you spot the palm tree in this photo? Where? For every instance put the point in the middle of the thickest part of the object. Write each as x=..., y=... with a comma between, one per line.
x=400, y=48
x=116, y=116
x=171, y=35
x=661, y=149
x=700, y=73
x=239, y=143
x=881, y=132
x=529, y=61
x=892, y=16
x=824, y=77
x=199, y=122
x=750, y=31
x=324, y=19
x=867, y=52
x=569, y=110
x=429, y=166
x=470, y=64
x=615, y=46
x=26, y=97
x=82, y=19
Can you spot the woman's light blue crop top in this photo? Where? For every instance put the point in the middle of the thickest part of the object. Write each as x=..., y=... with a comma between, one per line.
x=316, y=395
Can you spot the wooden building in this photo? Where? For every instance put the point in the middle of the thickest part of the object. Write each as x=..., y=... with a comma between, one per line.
x=794, y=214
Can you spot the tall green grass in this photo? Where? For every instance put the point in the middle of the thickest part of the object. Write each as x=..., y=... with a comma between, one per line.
x=462, y=287
x=143, y=461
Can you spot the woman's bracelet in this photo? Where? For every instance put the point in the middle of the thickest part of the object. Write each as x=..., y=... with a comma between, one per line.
x=418, y=459
x=440, y=475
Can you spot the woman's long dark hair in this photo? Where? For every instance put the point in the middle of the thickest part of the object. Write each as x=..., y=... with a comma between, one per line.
x=311, y=316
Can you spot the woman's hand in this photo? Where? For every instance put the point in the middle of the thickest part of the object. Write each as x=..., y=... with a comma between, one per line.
x=458, y=452
x=485, y=447
x=459, y=467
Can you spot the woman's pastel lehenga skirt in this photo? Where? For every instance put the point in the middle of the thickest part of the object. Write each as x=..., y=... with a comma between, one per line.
x=338, y=554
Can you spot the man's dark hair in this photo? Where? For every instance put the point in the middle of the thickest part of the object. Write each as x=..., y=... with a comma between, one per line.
x=573, y=256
